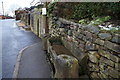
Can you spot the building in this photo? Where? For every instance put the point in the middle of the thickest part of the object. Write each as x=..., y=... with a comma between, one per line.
x=18, y=13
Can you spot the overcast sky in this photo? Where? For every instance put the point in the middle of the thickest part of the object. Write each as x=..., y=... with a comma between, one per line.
x=11, y=5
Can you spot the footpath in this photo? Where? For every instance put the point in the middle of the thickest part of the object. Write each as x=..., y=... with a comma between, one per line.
x=32, y=62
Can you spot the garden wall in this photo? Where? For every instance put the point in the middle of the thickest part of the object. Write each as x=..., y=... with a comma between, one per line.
x=98, y=51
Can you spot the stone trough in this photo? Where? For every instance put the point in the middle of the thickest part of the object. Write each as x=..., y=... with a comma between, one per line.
x=65, y=65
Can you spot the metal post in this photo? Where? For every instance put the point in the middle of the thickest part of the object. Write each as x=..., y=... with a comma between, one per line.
x=3, y=8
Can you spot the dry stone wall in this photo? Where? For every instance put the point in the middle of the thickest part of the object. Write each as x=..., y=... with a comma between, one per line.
x=98, y=52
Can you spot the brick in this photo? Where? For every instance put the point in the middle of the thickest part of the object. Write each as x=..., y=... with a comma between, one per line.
x=112, y=46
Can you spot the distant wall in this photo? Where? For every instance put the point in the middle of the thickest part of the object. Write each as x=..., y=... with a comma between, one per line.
x=34, y=20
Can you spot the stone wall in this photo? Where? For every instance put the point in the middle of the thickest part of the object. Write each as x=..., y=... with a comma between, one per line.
x=98, y=51
x=35, y=21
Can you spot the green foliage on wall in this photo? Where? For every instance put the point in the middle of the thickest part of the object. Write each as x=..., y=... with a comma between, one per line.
x=99, y=20
x=85, y=10
x=51, y=7
x=80, y=10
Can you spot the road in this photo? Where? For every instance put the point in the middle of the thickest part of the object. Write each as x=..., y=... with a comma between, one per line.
x=13, y=40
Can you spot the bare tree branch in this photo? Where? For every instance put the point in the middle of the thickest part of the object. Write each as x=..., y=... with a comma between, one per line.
x=32, y=2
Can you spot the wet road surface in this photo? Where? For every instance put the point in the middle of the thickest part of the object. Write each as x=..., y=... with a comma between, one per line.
x=13, y=40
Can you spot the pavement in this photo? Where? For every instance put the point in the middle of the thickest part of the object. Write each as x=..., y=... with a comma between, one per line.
x=32, y=62
x=20, y=24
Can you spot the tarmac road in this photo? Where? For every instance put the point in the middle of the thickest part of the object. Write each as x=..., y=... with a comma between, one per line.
x=13, y=40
